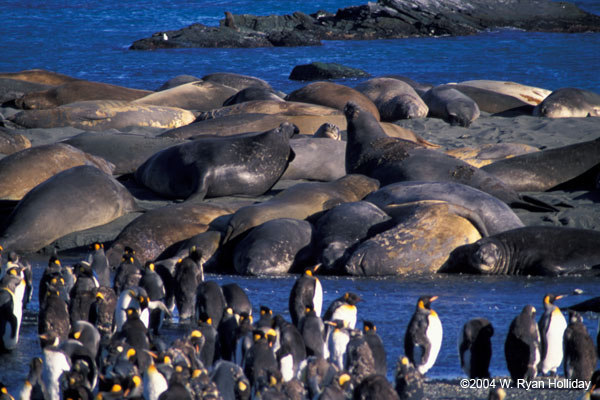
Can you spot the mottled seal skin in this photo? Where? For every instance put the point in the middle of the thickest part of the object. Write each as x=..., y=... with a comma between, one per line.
x=197, y=96
x=100, y=115
x=547, y=169
x=568, y=103
x=344, y=226
x=488, y=153
x=277, y=247
x=528, y=94
x=301, y=201
x=250, y=94
x=495, y=215
x=127, y=151
x=531, y=250
x=12, y=141
x=247, y=164
x=332, y=95
x=451, y=105
x=75, y=91
x=371, y=152
x=424, y=234
x=73, y=200
x=12, y=89
x=269, y=107
x=155, y=230
x=22, y=171
x=316, y=159
x=395, y=99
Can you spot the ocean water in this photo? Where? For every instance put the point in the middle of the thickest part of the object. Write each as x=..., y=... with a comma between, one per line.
x=90, y=40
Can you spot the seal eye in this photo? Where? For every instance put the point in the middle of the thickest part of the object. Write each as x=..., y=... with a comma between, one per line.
x=486, y=257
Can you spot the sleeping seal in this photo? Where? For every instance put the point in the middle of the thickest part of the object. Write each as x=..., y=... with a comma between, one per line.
x=531, y=250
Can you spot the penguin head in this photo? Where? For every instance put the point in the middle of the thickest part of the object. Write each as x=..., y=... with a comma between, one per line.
x=258, y=335
x=49, y=339
x=132, y=313
x=98, y=246
x=344, y=380
x=529, y=310
x=575, y=317
x=149, y=266
x=265, y=311
x=424, y=302
x=369, y=326
x=12, y=256
x=204, y=318
x=312, y=270
x=352, y=298
x=550, y=298
x=197, y=340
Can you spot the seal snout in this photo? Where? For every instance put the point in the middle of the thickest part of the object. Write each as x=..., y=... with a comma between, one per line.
x=351, y=109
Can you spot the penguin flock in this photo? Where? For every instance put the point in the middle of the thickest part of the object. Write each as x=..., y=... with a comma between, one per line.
x=100, y=326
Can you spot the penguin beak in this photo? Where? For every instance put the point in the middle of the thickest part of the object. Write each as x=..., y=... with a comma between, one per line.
x=434, y=298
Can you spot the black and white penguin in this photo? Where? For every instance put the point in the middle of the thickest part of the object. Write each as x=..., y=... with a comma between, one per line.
x=134, y=297
x=87, y=334
x=99, y=263
x=265, y=320
x=226, y=330
x=289, y=336
x=312, y=329
x=127, y=274
x=186, y=278
x=230, y=380
x=134, y=331
x=338, y=388
x=307, y=291
x=522, y=346
x=12, y=291
x=593, y=393
x=408, y=382
x=243, y=337
x=579, y=352
x=83, y=292
x=377, y=348
x=423, y=337
x=552, y=327
x=155, y=383
x=102, y=311
x=52, y=271
x=4, y=395
x=21, y=268
x=211, y=350
x=210, y=301
x=475, y=347
x=54, y=363
x=337, y=342
x=32, y=387
x=152, y=282
x=344, y=308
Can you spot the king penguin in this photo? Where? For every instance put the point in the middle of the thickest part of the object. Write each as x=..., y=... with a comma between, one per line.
x=343, y=308
x=552, y=327
x=475, y=348
x=424, y=333
x=580, y=357
x=12, y=290
x=522, y=345
x=97, y=259
x=307, y=291
x=376, y=345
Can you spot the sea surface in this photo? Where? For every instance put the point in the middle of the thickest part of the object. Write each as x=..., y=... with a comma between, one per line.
x=90, y=40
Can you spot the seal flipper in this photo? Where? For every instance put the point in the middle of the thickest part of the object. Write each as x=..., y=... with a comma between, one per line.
x=532, y=204
x=200, y=191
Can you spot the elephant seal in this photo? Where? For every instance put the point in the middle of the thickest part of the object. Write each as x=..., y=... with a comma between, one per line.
x=12, y=89
x=178, y=80
x=371, y=152
x=569, y=103
x=344, y=226
x=546, y=169
x=395, y=99
x=155, y=230
x=252, y=93
x=301, y=201
x=40, y=76
x=424, y=234
x=127, y=151
x=451, y=105
x=197, y=96
x=276, y=247
x=236, y=81
x=316, y=159
x=491, y=152
x=328, y=130
x=245, y=164
x=531, y=250
x=75, y=91
x=269, y=107
x=22, y=171
x=332, y=95
x=73, y=200
x=495, y=215
x=99, y=115
x=12, y=141
x=493, y=102
x=529, y=94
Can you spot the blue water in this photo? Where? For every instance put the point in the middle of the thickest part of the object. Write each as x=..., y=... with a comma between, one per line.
x=90, y=40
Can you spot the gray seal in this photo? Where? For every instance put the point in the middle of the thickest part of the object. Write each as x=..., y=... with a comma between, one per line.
x=451, y=105
x=247, y=164
x=395, y=99
x=569, y=102
x=531, y=250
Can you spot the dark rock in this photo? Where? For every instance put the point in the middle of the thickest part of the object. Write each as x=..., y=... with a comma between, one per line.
x=317, y=71
x=383, y=19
